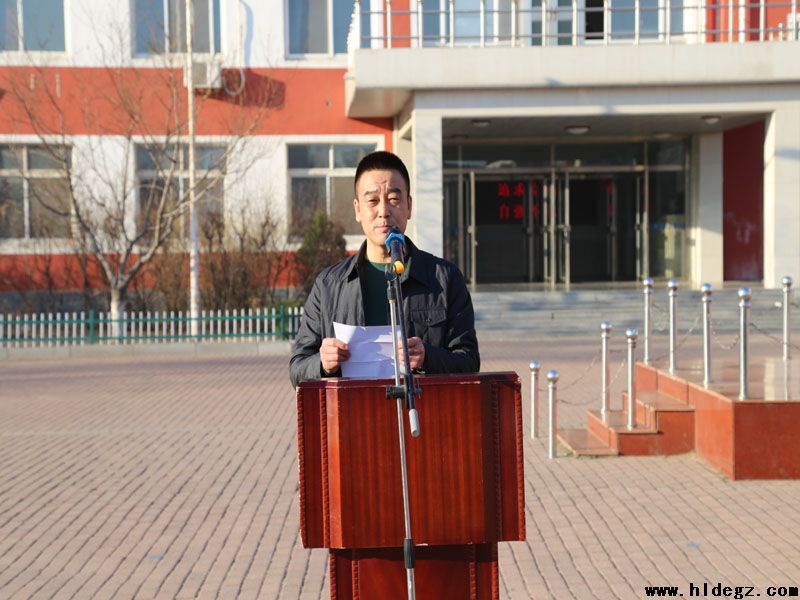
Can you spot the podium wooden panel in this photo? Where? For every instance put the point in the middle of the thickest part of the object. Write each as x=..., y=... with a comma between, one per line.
x=442, y=573
x=466, y=488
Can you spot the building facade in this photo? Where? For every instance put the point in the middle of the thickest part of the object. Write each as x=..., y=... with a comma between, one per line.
x=558, y=142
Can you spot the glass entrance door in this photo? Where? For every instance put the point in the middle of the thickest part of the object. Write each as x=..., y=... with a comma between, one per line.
x=560, y=230
x=567, y=212
x=500, y=208
x=590, y=234
x=573, y=227
x=507, y=228
x=537, y=228
x=630, y=233
x=458, y=227
x=596, y=227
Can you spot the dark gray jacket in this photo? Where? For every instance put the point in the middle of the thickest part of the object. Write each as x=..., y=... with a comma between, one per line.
x=436, y=304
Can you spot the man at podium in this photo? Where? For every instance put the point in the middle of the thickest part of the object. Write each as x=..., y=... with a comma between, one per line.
x=413, y=511
x=437, y=306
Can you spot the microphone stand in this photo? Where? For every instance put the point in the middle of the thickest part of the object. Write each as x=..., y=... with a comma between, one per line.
x=407, y=393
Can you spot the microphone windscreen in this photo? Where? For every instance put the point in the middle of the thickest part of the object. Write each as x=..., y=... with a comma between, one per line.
x=395, y=234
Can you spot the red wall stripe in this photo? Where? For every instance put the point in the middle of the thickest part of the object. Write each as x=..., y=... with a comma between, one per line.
x=102, y=101
x=64, y=272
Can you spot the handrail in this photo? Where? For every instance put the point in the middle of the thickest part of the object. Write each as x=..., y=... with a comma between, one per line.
x=635, y=22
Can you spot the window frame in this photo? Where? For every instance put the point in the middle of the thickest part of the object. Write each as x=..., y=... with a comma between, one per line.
x=329, y=24
x=329, y=173
x=214, y=44
x=180, y=175
x=26, y=174
x=20, y=27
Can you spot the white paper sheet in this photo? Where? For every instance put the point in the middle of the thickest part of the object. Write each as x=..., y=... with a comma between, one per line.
x=371, y=350
x=379, y=369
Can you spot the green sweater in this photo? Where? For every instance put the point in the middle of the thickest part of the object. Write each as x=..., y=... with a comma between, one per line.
x=376, y=302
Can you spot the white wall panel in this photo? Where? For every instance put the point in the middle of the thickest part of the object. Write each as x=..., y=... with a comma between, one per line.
x=782, y=197
x=707, y=204
x=426, y=186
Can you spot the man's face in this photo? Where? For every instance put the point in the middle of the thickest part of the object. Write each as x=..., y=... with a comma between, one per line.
x=381, y=202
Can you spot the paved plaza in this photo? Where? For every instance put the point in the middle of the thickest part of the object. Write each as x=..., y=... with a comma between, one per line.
x=176, y=477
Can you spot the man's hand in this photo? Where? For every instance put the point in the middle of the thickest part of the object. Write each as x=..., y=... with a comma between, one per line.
x=332, y=353
x=416, y=353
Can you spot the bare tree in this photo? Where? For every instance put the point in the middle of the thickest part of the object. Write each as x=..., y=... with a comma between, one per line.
x=161, y=284
x=242, y=262
x=136, y=121
x=323, y=245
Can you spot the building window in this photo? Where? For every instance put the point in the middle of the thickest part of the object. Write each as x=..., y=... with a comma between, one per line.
x=163, y=176
x=321, y=178
x=319, y=26
x=160, y=26
x=32, y=25
x=34, y=192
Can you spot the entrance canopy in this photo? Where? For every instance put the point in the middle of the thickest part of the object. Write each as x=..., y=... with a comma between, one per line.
x=643, y=126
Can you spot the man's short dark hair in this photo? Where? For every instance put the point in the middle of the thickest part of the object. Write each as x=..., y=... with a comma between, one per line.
x=382, y=161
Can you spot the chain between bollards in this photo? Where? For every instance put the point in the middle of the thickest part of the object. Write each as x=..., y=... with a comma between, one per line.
x=632, y=335
x=706, y=290
x=744, y=316
x=648, y=316
x=787, y=301
x=672, y=286
x=535, y=366
x=605, y=393
x=552, y=417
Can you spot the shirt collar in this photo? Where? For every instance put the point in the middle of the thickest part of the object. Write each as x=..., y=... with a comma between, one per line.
x=356, y=262
x=416, y=266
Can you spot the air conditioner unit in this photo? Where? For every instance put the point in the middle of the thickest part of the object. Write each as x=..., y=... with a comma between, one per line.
x=206, y=75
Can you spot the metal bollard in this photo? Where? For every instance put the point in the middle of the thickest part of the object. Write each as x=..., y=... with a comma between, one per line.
x=552, y=380
x=632, y=335
x=787, y=303
x=744, y=318
x=535, y=366
x=648, y=314
x=706, y=290
x=672, y=286
x=605, y=393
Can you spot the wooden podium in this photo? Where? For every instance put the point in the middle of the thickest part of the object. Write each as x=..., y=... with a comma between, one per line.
x=465, y=477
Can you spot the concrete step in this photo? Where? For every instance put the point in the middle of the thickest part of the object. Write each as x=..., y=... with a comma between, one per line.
x=610, y=426
x=651, y=404
x=582, y=443
x=644, y=440
x=524, y=313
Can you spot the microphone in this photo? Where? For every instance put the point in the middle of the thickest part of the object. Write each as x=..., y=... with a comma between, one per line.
x=396, y=245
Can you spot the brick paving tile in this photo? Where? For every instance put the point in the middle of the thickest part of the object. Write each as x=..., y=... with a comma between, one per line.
x=177, y=478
